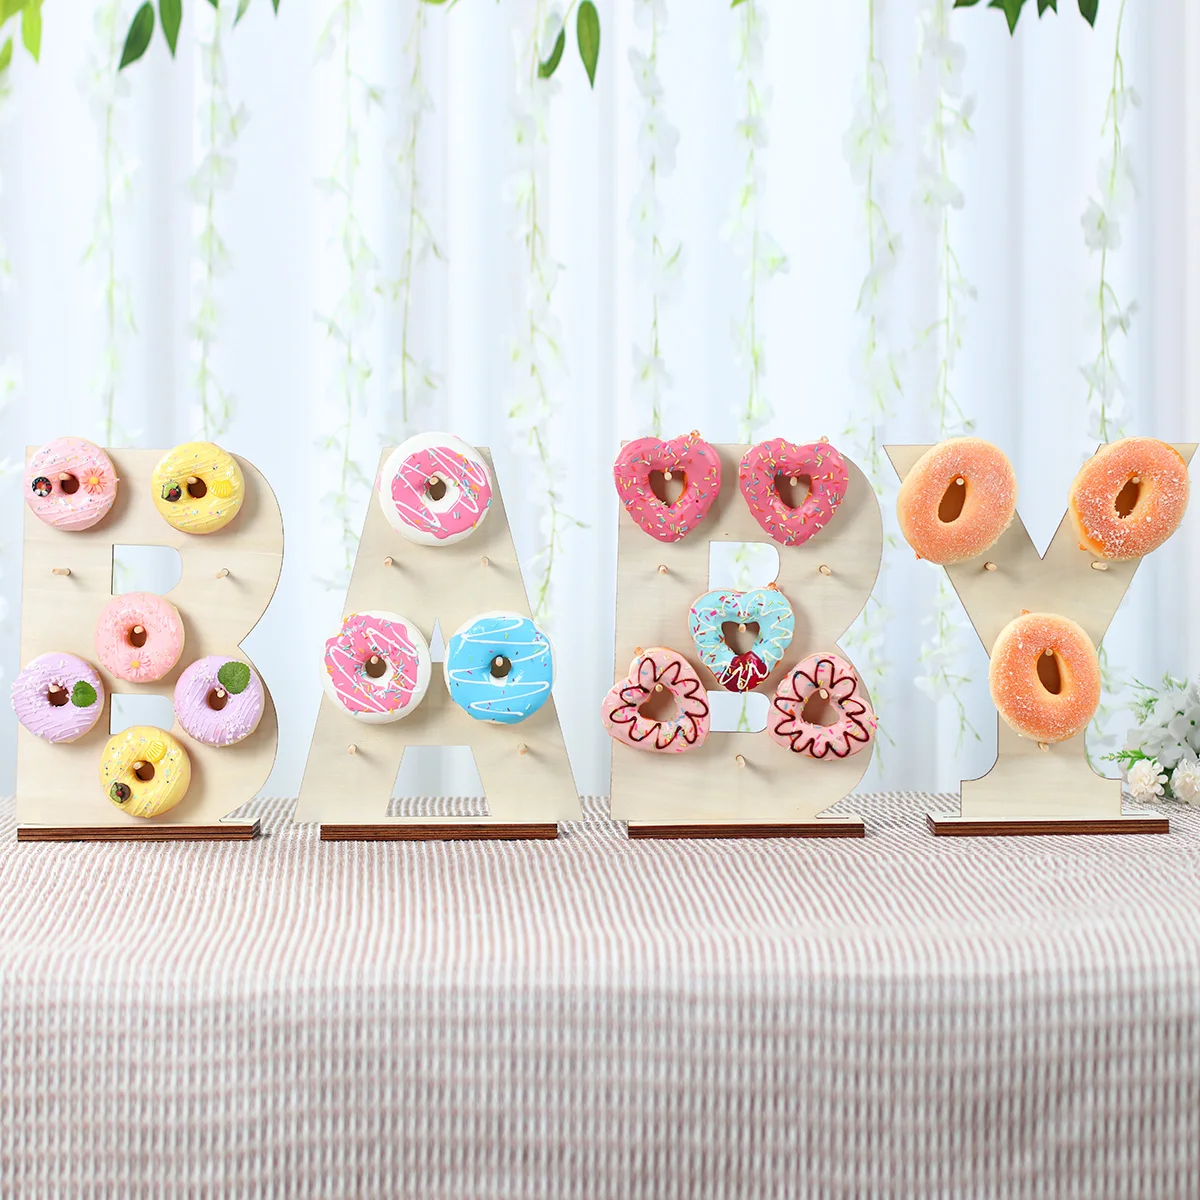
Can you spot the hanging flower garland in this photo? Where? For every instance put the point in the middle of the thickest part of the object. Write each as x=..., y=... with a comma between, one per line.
x=415, y=376
x=659, y=258
x=352, y=315
x=869, y=143
x=938, y=194
x=220, y=125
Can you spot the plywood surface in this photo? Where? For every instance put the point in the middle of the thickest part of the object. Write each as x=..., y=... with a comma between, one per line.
x=58, y=786
x=708, y=785
x=430, y=585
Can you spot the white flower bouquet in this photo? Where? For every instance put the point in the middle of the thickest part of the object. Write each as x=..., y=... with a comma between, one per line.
x=1161, y=757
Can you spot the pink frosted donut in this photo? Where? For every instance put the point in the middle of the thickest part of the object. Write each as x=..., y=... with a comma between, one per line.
x=689, y=457
x=1045, y=677
x=139, y=637
x=839, y=685
x=759, y=475
x=435, y=489
x=651, y=672
x=219, y=701
x=70, y=484
x=58, y=696
x=1151, y=475
x=377, y=667
x=957, y=500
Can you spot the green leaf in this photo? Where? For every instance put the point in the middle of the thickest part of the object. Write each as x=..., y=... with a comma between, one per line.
x=965, y=3
x=83, y=695
x=241, y=11
x=234, y=677
x=1088, y=9
x=737, y=2
x=31, y=28
x=547, y=68
x=9, y=7
x=5, y=55
x=1045, y=4
x=138, y=38
x=275, y=6
x=587, y=33
x=1011, y=10
x=170, y=14
x=214, y=3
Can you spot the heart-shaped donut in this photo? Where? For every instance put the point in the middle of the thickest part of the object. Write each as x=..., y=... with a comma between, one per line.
x=766, y=607
x=819, y=462
x=839, y=685
x=690, y=456
x=653, y=671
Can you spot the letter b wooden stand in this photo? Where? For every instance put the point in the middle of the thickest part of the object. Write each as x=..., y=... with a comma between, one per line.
x=1038, y=788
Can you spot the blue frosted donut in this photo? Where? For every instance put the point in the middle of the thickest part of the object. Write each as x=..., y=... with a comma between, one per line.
x=766, y=607
x=499, y=667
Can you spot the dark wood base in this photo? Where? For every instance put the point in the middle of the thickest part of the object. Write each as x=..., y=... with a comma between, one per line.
x=947, y=825
x=225, y=831
x=839, y=827
x=433, y=832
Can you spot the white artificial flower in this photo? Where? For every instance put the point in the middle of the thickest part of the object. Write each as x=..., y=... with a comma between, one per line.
x=1146, y=779
x=649, y=12
x=645, y=74
x=1100, y=230
x=650, y=374
x=657, y=140
x=1185, y=781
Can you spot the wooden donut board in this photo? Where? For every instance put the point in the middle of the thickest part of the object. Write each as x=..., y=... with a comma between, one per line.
x=59, y=797
x=741, y=784
x=1030, y=789
x=352, y=766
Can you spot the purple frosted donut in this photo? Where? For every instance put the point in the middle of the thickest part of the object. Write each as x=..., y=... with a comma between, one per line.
x=218, y=700
x=58, y=696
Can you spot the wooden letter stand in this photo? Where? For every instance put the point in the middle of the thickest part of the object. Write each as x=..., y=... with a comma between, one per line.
x=741, y=784
x=352, y=765
x=228, y=580
x=1038, y=788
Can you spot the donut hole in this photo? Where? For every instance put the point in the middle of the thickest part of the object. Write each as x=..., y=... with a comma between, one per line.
x=197, y=488
x=953, y=499
x=793, y=490
x=659, y=706
x=57, y=697
x=668, y=490
x=69, y=484
x=144, y=771
x=500, y=666
x=1049, y=672
x=376, y=667
x=740, y=636
x=216, y=699
x=435, y=488
x=136, y=637
x=1127, y=498
x=820, y=710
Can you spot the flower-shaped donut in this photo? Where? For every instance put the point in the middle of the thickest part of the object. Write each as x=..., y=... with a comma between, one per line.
x=838, y=684
x=651, y=672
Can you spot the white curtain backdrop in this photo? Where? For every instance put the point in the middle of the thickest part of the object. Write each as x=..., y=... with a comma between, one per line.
x=301, y=249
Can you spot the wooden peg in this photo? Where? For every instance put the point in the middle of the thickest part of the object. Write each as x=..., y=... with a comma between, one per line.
x=220, y=693
x=389, y=561
x=1049, y=652
x=192, y=480
x=1099, y=566
x=61, y=571
x=989, y=566
x=139, y=629
x=742, y=628
x=522, y=748
x=352, y=749
x=223, y=573
x=824, y=569
x=658, y=687
x=668, y=476
x=662, y=568
x=484, y=561
x=961, y=482
x=65, y=475
x=638, y=651
x=139, y=765
x=823, y=693
x=374, y=659
x=54, y=689
x=1044, y=747
x=740, y=760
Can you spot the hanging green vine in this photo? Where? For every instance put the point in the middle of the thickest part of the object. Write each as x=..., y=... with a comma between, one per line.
x=1012, y=9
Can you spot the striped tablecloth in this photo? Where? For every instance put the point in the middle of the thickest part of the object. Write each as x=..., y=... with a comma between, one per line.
x=898, y=1016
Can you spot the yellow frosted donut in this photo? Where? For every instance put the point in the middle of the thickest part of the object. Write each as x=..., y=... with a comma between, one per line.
x=198, y=488
x=145, y=771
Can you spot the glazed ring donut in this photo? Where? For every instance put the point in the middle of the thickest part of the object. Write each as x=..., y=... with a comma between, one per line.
x=836, y=681
x=960, y=496
x=1129, y=497
x=376, y=667
x=58, y=696
x=692, y=459
x=139, y=637
x=219, y=701
x=653, y=671
x=145, y=771
x=818, y=462
x=434, y=489
x=765, y=607
x=197, y=487
x=1045, y=677
x=499, y=667
x=70, y=484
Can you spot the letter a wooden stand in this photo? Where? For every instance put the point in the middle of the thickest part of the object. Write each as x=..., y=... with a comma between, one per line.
x=228, y=580
x=352, y=765
x=1035, y=787
x=741, y=784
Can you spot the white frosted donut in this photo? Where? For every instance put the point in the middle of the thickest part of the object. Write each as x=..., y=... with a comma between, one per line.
x=435, y=489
